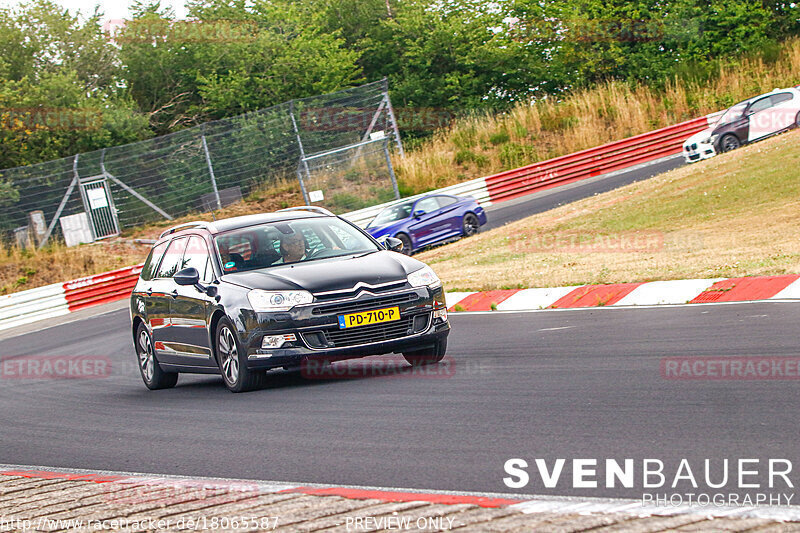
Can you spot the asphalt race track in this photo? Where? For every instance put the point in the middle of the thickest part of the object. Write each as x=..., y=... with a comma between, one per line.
x=568, y=384
x=509, y=211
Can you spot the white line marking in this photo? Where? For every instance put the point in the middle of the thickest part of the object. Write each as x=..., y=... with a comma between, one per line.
x=555, y=329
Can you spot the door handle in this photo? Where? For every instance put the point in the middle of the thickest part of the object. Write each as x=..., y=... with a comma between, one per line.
x=174, y=294
x=149, y=291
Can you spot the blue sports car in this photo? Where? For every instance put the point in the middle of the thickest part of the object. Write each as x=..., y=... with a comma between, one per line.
x=429, y=220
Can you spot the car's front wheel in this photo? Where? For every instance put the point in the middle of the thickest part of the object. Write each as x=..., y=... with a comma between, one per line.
x=232, y=360
x=470, y=225
x=730, y=142
x=427, y=356
x=153, y=376
x=406, y=240
x=797, y=121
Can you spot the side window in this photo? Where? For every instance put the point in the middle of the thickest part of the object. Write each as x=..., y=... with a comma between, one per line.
x=760, y=105
x=196, y=256
x=427, y=204
x=150, y=266
x=781, y=98
x=444, y=201
x=172, y=258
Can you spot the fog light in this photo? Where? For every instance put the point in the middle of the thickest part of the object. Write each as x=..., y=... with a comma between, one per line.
x=440, y=313
x=276, y=341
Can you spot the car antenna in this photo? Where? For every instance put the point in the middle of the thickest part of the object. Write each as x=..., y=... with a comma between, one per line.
x=212, y=216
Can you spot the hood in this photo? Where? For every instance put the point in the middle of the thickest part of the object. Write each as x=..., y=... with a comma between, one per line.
x=387, y=229
x=699, y=136
x=331, y=274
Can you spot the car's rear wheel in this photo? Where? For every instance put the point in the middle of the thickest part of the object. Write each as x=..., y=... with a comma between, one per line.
x=470, y=225
x=153, y=376
x=232, y=360
x=427, y=356
x=730, y=142
x=406, y=240
x=797, y=121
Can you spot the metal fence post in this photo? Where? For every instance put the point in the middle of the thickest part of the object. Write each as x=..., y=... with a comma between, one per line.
x=63, y=202
x=392, y=118
x=302, y=153
x=211, y=170
x=391, y=170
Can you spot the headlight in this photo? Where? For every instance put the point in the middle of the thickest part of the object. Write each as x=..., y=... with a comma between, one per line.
x=277, y=300
x=424, y=277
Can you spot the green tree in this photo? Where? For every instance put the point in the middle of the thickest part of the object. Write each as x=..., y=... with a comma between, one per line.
x=232, y=58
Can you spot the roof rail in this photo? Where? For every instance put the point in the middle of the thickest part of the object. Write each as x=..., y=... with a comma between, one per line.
x=187, y=225
x=311, y=208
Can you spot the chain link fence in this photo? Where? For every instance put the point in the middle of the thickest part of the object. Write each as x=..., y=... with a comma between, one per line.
x=337, y=145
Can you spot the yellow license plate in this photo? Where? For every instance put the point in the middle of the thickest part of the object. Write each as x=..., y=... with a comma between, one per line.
x=366, y=318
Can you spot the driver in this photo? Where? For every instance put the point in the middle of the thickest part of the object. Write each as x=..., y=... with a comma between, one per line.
x=293, y=247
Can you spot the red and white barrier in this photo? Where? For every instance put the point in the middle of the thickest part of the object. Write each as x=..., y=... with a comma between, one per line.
x=682, y=291
x=604, y=159
x=62, y=298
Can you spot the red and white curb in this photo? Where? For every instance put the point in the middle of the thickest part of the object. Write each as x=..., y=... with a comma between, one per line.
x=526, y=504
x=687, y=291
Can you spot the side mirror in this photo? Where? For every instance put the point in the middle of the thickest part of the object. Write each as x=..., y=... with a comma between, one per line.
x=418, y=213
x=187, y=276
x=393, y=245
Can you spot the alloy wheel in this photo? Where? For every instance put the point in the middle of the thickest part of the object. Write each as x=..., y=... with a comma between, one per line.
x=229, y=355
x=146, y=359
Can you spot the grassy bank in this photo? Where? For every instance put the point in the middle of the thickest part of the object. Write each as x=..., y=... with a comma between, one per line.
x=473, y=146
x=735, y=215
x=487, y=144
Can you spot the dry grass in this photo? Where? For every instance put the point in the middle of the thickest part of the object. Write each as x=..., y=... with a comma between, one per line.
x=735, y=215
x=22, y=269
x=472, y=147
x=487, y=144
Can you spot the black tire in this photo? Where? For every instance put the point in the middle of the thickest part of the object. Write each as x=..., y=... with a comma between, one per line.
x=470, y=225
x=428, y=356
x=406, y=243
x=153, y=376
x=729, y=142
x=797, y=121
x=232, y=360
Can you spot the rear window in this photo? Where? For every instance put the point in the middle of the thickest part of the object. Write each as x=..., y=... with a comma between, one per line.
x=150, y=266
x=781, y=97
x=444, y=201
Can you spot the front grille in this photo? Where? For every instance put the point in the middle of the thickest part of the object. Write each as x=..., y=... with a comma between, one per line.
x=337, y=338
x=338, y=295
x=354, y=306
x=694, y=156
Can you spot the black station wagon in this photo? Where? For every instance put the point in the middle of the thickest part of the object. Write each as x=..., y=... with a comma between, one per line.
x=244, y=295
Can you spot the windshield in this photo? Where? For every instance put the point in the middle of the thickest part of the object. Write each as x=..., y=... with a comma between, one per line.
x=288, y=242
x=733, y=113
x=392, y=214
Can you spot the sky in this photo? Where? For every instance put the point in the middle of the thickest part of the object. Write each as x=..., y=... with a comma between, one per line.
x=113, y=9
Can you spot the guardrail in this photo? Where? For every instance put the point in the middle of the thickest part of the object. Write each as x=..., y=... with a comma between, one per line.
x=592, y=162
x=62, y=298
x=59, y=299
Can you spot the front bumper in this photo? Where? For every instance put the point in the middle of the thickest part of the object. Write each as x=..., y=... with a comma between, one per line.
x=698, y=151
x=318, y=336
